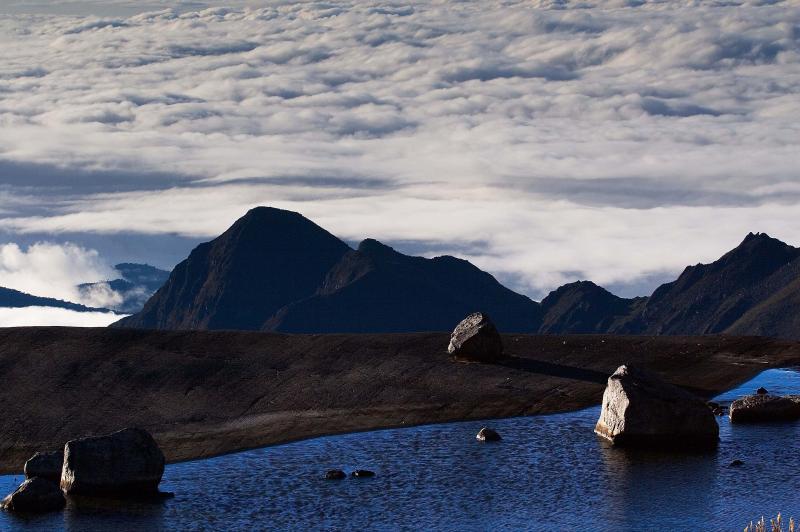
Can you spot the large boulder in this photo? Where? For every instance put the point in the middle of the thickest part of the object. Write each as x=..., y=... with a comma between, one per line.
x=125, y=463
x=641, y=410
x=476, y=339
x=35, y=495
x=45, y=465
x=756, y=408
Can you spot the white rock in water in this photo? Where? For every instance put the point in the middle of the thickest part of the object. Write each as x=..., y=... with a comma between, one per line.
x=641, y=410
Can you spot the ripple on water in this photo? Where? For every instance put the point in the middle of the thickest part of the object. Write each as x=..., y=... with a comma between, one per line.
x=548, y=473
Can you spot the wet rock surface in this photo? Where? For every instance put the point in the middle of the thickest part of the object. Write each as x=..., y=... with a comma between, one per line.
x=762, y=408
x=125, y=463
x=641, y=410
x=46, y=465
x=487, y=434
x=35, y=495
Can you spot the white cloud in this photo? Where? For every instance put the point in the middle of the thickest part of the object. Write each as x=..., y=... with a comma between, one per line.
x=546, y=140
x=52, y=270
x=49, y=316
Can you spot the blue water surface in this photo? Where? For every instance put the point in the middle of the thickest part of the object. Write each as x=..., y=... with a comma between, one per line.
x=549, y=473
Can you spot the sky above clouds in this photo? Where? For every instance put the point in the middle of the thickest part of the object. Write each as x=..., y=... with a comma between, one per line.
x=546, y=141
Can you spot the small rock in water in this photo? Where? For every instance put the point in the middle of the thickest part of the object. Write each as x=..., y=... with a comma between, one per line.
x=45, y=465
x=335, y=474
x=736, y=463
x=762, y=391
x=362, y=473
x=35, y=495
x=712, y=405
x=760, y=408
x=487, y=434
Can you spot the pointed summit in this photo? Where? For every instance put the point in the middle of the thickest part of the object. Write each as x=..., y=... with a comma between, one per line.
x=264, y=261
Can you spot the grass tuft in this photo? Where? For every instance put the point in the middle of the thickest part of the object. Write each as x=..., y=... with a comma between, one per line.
x=775, y=525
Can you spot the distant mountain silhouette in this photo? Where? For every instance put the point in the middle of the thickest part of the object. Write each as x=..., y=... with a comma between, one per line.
x=583, y=307
x=753, y=289
x=266, y=260
x=15, y=299
x=712, y=298
x=275, y=270
x=136, y=284
x=375, y=288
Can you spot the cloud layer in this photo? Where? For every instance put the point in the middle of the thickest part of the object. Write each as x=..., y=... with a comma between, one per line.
x=545, y=140
x=53, y=270
x=48, y=316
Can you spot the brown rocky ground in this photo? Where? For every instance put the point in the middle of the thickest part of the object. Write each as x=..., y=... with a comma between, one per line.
x=206, y=393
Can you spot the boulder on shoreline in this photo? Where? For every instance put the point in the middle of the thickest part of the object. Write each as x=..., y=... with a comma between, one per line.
x=757, y=408
x=476, y=339
x=46, y=465
x=641, y=410
x=35, y=495
x=127, y=463
x=487, y=434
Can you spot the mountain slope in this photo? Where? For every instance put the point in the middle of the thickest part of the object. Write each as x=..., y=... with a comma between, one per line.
x=266, y=260
x=585, y=308
x=710, y=298
x=275, y=270
x=15, y=299
x=375, y=288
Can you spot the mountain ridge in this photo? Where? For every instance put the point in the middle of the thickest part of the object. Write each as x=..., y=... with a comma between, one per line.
x=277, y=271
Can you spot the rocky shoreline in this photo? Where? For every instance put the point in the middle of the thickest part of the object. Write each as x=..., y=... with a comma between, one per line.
x=208, y=393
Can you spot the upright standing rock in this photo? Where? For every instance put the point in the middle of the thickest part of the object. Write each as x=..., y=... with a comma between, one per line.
x=35, y=495
x=45, y=465
x=476, y=339
x=125, y=463
x=639, y=409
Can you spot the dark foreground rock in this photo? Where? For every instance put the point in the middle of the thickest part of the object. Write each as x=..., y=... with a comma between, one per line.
x=476, y=339
x=35, y=495
x=335, y=474
x=45, y=465
x=757, y=408
x=125, y=463
x=487, y=434
x=641, y=410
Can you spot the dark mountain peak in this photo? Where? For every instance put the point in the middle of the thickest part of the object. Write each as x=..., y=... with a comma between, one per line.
x=267, y=259
x=762, y=242
x=584, y=288
x=584, y=307
x=375, y=249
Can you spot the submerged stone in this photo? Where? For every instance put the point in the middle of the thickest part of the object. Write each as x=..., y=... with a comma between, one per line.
x=362, y=473
x=335, y=474
x=487, y=434
x=641, y=410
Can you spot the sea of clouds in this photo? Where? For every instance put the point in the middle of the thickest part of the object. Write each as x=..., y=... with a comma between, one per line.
x=546, y=141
